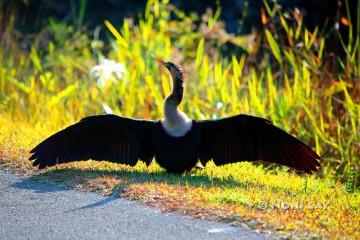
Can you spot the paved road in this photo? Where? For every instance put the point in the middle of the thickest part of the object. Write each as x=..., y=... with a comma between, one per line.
x=30, y=210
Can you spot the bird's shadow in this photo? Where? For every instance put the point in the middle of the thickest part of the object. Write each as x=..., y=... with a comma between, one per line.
x=70, y=178
x=30, y=184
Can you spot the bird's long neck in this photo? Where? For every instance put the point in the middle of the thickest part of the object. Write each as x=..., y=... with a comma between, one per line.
x=176, y=122
x=174, y=99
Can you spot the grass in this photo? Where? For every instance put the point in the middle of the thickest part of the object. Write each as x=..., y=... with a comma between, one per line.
x=286, y=74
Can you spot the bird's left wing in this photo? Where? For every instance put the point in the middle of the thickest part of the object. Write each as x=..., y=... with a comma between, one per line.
x=248, y=138
x=101, y=137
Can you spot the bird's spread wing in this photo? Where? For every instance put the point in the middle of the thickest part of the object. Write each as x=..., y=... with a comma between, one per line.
x=102, y=137
x=249, y=138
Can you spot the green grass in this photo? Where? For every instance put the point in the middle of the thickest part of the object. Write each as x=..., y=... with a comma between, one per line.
x=286, y=74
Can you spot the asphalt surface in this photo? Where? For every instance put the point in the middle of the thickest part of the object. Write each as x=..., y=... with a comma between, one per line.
x=31, y=210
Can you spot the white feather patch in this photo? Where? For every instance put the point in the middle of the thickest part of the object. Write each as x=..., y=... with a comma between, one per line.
x=177, y=125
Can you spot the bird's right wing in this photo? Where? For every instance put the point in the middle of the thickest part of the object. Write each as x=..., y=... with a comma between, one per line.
x=101, y=137
x=248, y=138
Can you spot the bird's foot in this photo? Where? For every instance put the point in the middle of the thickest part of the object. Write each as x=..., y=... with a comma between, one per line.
x=199, y=166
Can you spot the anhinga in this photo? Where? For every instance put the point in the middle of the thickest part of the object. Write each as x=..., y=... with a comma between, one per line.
x=176, y=141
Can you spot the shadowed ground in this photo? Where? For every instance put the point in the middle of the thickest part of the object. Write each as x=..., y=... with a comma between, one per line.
x=30, y=210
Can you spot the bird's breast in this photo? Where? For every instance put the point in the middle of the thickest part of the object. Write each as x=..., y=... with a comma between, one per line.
x=177, y=126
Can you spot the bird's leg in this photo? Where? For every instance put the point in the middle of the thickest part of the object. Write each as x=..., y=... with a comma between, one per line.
x=198, y=167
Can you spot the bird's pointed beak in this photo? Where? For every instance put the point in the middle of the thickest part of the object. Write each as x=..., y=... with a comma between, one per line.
x=159, y=60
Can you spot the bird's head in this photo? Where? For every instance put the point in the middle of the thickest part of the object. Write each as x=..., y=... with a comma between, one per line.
x=178, y=80
x=175, y=70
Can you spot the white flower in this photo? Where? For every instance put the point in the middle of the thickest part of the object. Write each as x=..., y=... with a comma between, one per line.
x=107, y=71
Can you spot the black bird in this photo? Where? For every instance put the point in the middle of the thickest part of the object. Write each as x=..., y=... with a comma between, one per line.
x=176, y=141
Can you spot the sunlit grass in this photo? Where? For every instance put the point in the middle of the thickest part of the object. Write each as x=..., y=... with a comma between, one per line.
x=286, y=75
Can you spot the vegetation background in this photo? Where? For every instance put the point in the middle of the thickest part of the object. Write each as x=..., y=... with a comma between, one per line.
x=295, y=64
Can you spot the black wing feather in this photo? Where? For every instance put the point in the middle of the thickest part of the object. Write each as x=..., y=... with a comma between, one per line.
x=101, y=137
x=248, y=138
